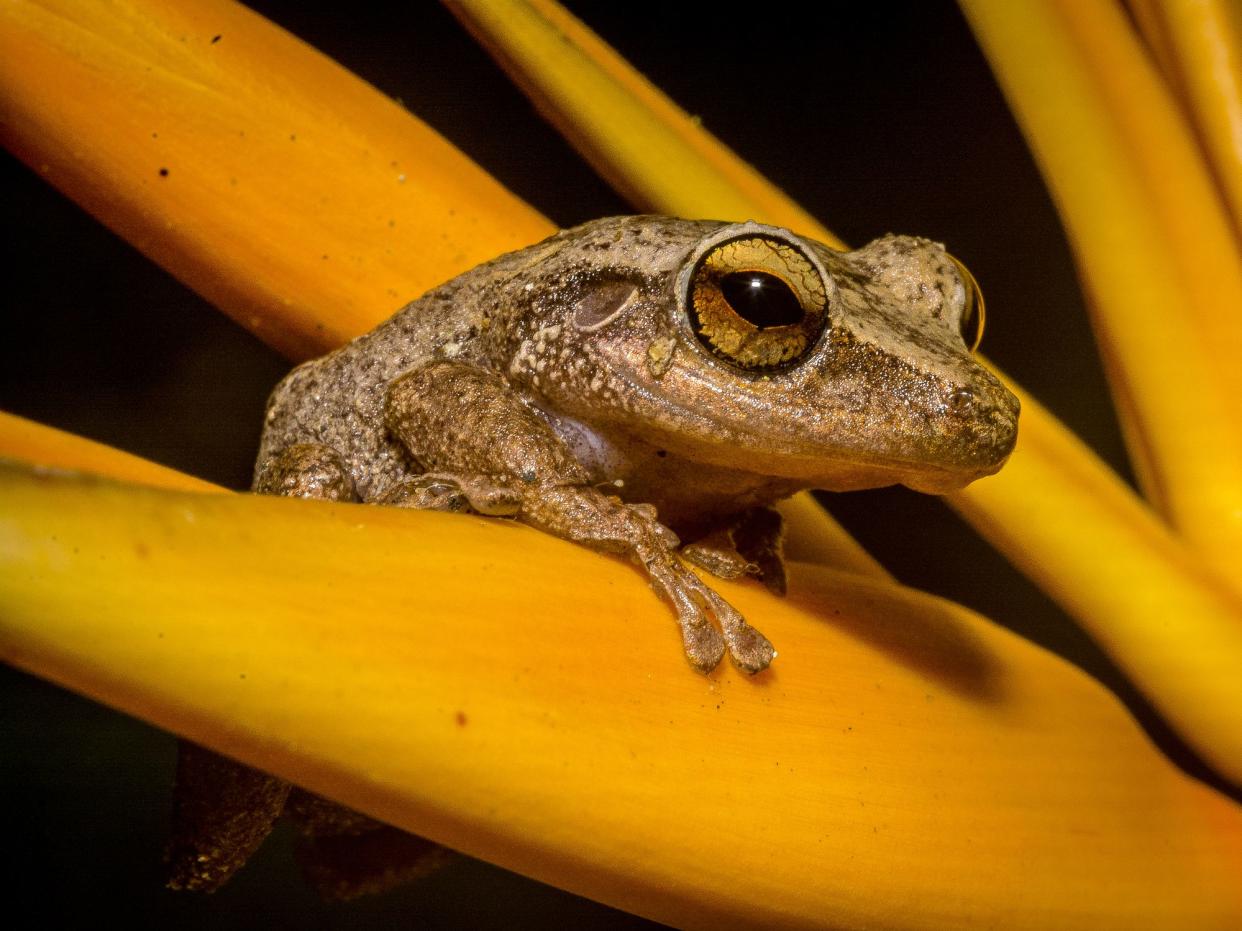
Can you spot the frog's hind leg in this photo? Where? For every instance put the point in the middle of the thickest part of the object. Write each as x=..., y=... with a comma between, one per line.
x=752, y=543
x=345, y=854
x=222, y=810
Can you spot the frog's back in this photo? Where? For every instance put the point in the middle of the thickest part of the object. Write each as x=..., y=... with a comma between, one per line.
x=478, y=317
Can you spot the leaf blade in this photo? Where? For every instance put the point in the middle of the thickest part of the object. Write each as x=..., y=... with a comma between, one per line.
x=763, y=802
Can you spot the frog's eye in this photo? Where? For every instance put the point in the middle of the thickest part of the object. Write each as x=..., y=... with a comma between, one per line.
x=971, y=324
x=757, y=302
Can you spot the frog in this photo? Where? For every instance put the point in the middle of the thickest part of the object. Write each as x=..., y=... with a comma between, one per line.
x=644, y=386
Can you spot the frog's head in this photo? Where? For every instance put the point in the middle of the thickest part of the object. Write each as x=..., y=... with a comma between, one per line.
x=770, y=353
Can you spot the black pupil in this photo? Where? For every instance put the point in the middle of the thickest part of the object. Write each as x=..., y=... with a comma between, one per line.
x=761, y=299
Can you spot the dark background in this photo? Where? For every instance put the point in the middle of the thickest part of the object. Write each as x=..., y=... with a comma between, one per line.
x=876, y=117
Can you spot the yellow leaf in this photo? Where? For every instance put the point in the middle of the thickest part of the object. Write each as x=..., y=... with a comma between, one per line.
x=1171, y=625
x=906, y=763
x=1198, y=44
x=1155, y=246
x=285, y=190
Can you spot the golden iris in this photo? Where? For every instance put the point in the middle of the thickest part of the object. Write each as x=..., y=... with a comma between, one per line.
x=757, y=302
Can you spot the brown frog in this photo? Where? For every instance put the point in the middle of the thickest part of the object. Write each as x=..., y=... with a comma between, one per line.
x=627, y=384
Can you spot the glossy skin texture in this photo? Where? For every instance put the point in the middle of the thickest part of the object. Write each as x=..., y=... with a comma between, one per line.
x=528, y=383
x=627, y=384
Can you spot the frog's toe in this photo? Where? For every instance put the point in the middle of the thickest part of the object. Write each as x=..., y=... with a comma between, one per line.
x=703, y=644
x=424, y=493
x=443, y=491
x=751, y=651
x=722, y=561
x=486, y=494
x=648, y=517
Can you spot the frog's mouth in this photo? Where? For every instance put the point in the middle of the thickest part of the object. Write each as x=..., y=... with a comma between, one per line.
x=863, y=472
x=934, y=457
x=943, y=483
x=934, y=463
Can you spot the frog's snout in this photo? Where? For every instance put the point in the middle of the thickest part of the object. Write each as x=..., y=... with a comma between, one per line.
x=989, y=425
x=977, y=432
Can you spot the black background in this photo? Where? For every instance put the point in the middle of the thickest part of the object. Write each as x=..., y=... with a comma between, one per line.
x=876, y=117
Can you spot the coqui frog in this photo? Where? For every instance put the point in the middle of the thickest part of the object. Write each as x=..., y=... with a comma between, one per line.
x=639, y=381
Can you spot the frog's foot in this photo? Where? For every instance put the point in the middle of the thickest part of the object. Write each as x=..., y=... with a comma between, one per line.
x=759, y=535
x=317, y=816
x=603, y=522
x=751, y=544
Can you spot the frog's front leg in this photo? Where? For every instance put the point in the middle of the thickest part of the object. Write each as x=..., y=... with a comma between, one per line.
x=458, y=419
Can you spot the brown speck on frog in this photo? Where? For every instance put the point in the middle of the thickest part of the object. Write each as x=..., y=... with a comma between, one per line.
x=629, y=384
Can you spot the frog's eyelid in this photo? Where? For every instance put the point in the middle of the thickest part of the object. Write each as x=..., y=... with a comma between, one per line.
x=973, y=313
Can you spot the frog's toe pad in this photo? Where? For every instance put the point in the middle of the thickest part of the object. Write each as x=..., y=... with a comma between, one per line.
x=752, y=652
x=703, y=643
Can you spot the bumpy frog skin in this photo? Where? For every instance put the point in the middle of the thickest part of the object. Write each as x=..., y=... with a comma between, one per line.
x=636, y=381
